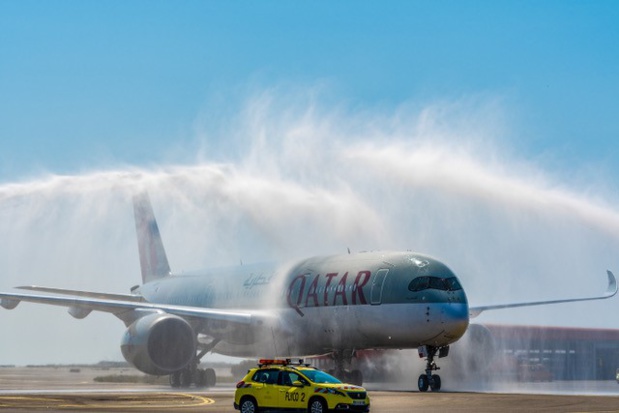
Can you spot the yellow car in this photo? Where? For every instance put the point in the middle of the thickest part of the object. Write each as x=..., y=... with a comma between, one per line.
x=281, y=384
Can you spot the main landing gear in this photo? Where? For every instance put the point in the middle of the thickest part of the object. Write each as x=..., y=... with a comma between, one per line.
x=341, y=358
x=192, y=374
x=429, y=380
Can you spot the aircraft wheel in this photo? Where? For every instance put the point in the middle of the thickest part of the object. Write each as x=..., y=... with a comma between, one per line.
x=356, y=377
x=435, y=382
x=423, y=383
x=175, y=379
x=185, y=378
x=200, y=379
x=210, y=377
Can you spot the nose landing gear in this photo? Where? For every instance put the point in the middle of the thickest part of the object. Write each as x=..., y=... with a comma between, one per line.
x=429, y=380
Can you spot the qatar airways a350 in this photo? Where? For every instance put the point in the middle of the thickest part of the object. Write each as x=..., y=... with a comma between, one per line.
x=322, y=305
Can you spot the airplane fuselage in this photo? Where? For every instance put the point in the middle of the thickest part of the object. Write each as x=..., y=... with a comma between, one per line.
x=321, y=304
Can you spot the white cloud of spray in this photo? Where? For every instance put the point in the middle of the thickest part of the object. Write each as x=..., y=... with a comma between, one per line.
x=297, y=176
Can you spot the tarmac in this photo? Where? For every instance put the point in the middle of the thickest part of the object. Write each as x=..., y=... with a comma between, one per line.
x=64, y=389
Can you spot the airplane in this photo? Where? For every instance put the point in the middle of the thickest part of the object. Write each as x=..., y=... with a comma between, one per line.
x=332, y=305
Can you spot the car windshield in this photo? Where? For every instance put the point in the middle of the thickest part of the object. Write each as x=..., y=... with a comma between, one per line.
x=318, y=376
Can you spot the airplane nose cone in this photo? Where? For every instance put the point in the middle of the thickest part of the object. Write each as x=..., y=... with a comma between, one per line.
x=455, y=318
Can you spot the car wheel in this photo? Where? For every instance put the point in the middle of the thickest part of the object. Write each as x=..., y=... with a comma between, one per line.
x=248, y=406
x=317, y=406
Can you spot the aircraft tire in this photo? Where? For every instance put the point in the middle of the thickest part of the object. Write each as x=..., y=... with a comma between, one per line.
x=210, y=377
x=423, y=383
x=185, y=378
x=356, y=377
x=200, y=378
x=175, y=379
x=435, y=382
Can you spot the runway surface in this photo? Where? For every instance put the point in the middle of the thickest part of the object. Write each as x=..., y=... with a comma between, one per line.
x=59, y=390
x=385, y=402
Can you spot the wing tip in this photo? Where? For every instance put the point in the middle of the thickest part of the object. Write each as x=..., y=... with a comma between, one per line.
x=612, y=284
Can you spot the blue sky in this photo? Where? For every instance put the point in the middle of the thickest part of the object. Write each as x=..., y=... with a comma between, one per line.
x=91, y=85
x=485, y=133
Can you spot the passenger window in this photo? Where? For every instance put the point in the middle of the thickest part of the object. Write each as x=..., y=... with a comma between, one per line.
x=266, y=376
x=260, y=377
x=286, y=378
x=273, y=377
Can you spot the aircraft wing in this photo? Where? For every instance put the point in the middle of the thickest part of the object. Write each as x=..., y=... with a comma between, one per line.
x=126, y=310
x=610, y=291
x=80, y=293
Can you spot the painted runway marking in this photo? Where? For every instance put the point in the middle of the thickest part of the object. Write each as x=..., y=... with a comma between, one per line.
x=107, y=402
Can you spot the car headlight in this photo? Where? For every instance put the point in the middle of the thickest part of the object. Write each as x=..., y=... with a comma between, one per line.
x=333, y=391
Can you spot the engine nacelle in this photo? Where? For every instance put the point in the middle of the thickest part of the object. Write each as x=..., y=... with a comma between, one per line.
x=159, y=344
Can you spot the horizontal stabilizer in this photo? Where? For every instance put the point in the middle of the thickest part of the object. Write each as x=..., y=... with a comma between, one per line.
x=611, y=290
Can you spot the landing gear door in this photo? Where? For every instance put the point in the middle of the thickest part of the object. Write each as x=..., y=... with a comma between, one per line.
x=378, y=282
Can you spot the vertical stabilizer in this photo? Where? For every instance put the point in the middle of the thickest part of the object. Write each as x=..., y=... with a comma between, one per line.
x=153, y=259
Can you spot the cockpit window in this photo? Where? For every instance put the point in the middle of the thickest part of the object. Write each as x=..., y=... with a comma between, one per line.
x=434, y=283
x=453, y=284
x=419, y=283
x=437, y=283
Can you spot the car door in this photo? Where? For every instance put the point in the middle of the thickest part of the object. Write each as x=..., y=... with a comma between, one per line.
x=266, y=392
x=290, y=396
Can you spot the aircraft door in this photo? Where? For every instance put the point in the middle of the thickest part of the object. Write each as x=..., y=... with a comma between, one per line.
x=376, y=295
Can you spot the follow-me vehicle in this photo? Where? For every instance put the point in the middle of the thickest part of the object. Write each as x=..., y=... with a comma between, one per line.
x=286, y=385
x=322, y=305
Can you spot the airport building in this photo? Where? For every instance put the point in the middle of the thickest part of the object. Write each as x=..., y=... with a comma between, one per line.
x=565, y=353
x=504, y=353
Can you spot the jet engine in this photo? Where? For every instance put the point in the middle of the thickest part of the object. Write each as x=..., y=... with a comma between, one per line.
x=159, y=344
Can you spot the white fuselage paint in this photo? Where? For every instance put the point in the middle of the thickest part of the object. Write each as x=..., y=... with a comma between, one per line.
x=323, y=304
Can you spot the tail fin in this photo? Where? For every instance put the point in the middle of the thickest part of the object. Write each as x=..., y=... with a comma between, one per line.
x=153, y=259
